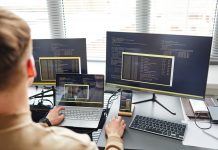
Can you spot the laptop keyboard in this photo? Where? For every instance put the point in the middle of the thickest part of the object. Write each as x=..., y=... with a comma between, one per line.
x=81, y=113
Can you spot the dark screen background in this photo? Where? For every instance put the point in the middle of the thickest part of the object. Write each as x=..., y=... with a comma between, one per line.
x=59, y=48
x=192, y=54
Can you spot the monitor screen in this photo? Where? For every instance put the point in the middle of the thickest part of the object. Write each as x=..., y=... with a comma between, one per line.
x=159, y=63
x=54, y=56
x=80, y=90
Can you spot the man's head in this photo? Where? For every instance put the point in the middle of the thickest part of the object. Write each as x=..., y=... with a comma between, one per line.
x=15, y=50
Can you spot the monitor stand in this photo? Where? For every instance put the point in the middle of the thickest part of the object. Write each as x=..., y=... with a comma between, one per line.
x=154, y=99
x=42, y=94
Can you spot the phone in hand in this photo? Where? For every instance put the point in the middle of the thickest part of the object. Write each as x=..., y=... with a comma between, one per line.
x=125, y=101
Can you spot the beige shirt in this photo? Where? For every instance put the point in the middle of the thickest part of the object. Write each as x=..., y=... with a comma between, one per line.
x=19, y=132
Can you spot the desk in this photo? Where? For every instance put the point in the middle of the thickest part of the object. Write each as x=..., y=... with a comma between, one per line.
x=138, y=140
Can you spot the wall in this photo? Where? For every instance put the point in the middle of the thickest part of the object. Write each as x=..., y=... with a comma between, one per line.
x=212, y=81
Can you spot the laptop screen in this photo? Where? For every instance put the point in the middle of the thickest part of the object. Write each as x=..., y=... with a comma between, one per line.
x=80, y=90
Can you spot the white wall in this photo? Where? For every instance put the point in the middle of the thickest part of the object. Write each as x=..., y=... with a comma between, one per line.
x=212, y=81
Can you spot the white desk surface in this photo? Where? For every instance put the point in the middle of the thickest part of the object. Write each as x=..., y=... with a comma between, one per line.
x=197, y=137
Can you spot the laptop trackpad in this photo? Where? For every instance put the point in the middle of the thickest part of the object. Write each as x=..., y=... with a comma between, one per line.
x=80, y=123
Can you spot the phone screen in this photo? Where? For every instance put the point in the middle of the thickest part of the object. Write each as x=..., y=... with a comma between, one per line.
x=126, y=100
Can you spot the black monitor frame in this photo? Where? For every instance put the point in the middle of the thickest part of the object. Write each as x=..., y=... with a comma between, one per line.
x=59, y=52
x=192, y=55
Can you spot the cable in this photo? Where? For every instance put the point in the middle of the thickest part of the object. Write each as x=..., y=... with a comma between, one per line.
x=109, y=100
x=198, y=115
x=47, y=100
x=41, y=95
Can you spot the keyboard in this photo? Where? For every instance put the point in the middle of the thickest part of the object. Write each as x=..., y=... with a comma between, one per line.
x=81, y=114
x=159, y=127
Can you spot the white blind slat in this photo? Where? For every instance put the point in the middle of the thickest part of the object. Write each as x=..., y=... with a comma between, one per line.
x=91, y=19
x=34, y=12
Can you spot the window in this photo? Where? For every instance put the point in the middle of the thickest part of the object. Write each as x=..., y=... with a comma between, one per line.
x=34, y=12
x=91, y=19
x=188, y=17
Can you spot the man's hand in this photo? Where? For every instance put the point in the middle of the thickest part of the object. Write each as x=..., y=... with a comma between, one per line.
x=115, y=127
x=54, y=115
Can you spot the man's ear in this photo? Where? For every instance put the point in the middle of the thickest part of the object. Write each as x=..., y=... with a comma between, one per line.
x=31, y=70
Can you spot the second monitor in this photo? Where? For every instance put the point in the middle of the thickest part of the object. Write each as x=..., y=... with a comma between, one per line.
x=54, y=56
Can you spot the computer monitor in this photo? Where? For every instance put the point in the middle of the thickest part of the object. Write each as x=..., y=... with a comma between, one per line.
x=54, y=56
x=160, y=63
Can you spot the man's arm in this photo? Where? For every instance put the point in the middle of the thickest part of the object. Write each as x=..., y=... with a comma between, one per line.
x=53, y=118
x=114, y=131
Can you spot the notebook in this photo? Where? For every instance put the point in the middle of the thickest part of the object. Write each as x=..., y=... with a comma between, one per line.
x=82, y=95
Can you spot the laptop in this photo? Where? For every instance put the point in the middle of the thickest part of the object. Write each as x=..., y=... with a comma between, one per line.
x=82, y=95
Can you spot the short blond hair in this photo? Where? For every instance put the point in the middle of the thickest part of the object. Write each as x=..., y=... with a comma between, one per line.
x=14, y=41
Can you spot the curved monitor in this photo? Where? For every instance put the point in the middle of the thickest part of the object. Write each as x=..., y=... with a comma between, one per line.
x=54, y=56
x=159, y=63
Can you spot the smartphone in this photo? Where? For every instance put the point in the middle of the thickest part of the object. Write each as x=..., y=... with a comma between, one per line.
x=126, y=100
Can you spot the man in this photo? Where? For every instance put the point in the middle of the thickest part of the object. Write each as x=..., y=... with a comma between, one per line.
x=17, y=70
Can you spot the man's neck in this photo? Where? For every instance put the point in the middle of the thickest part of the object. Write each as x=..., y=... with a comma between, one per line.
x=14, y=101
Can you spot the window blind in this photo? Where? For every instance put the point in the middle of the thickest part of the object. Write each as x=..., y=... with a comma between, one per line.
x=214, y=52
x=35, y=12
x=56, y=18
x=187, y=17
x=91, y=19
